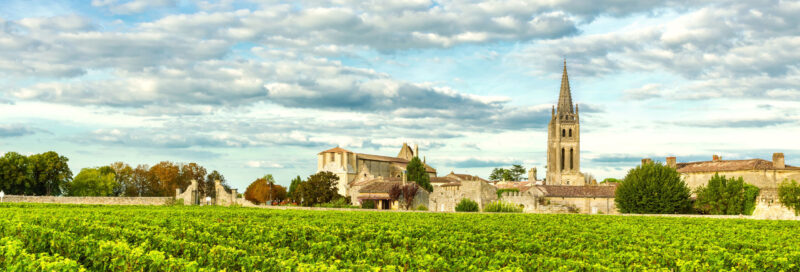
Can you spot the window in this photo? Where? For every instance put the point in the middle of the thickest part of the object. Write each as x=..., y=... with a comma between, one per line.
x=562, y=159
x=570, y=132
x=571, y=160
x=563, y=132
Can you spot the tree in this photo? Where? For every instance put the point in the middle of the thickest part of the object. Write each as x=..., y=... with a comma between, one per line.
x=259, y=192
x=270, y=183
x=123, y=173
x=293, y=188
x=611, y=180
x=726, y=196
x=92, y=182
x=499, y=174
x=415, y=171
x=14, y=174
x=49, y=172
x=319, y=188
x=141, y=182
x=166, y=178
x=207, y=187
x=517, y=172
x=653, y=188
x=192, y=171
x=395, y=192
x=409, y=193
x=789, y=195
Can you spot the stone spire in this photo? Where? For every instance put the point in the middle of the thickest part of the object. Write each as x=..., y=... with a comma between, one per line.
x=565, y=97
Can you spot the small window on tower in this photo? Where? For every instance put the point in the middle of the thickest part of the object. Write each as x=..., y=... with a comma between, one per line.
x=563, y=133
x=570, y=132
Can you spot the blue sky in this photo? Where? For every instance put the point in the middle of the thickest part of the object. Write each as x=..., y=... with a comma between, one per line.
x=250, y=88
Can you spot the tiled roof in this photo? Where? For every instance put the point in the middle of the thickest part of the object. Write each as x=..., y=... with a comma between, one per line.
x=379, y=187
x=522, y=186
x=378, y=179
x=601, y=191
x=336, y=150
x=442, y=180
x=728, y=165
x=398, y=161
x=454, y=183
x=467, y=177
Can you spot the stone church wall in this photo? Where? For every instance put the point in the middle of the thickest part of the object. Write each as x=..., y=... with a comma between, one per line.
x=445, y=198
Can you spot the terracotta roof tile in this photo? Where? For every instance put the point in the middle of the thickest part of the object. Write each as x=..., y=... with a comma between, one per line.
x=379, y=187
x=601, y=191
x=442, y=180
x=336, y=150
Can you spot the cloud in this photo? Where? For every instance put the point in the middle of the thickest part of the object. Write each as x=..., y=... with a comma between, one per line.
x=263, y=164
x=617, y=159
x=648, y=91
x=477, y=162
x=738, y=123
x=15, y=130
x=133, y=6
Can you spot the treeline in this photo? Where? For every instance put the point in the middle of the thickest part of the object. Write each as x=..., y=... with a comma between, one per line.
x=317, y=189
x=48, y=174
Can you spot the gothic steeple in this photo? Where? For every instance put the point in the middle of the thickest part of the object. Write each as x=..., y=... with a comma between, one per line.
x=565, y=97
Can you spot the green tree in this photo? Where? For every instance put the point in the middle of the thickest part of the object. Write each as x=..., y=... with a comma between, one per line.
x=517, y=172
x=49, y=172
x=467, y=205
x=611, y=180
x=415, y=171
x=207, y=187
x=653, y=188
x=293, y=188
x=319, y=188
x=14, y=174
x=499, y=174
x=123, y=173
x=92, y=182
x=726, y=196
x=789, y=195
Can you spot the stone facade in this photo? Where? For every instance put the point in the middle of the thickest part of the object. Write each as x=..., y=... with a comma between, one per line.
x=445, y=196
x=563, y=140
x=101, y=200
x=353, y=167
x=191, y=195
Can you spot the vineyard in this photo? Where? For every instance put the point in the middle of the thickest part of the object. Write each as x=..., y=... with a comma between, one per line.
x=41, y=237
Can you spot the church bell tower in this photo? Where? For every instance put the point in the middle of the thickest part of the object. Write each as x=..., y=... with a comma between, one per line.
x=563, y=140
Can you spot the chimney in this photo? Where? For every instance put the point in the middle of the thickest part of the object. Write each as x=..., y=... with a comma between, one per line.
x=646, y=161
x=778, y=161
x=716, y=158
x=672, y=162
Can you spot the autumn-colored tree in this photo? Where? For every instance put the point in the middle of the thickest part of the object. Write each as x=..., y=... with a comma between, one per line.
x=409, y=193
x=140, y=182
x=167, y=177
x=261, y=192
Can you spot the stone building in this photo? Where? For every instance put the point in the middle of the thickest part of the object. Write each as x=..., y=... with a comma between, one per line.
x=450, y=189
x=354, y=167
x=563, y=140
x=764, y=174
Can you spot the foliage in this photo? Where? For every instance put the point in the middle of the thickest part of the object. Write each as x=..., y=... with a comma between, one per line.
x=501, y=191
x=500, y=206
x=515, y=173
x=43, y=237
x=14, y=176
x=789, y=195
x=340, y=202
x=210, y=183
x=409, y=192
x=653, y=188
x=368, y=204
x=415, y=171
x=49, y=172
x=261, y=191
x=319, y=188
x=422, y=208
x=395, y=192
x=293, y=187
x=123, y=175
x=99, y=181
x=610, y=180
x=467, y=205
x=726, y=196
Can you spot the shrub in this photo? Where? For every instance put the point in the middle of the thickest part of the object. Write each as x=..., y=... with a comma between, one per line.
x=789, y=194
x=467, y=205
x=726, y=196
x=340, y=202
x=501, y=191
x=368, y=204
x=422, y=208
x=653, y=188
x=500, y=206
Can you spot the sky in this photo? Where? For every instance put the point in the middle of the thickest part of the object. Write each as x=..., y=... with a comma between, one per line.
x=255, y=88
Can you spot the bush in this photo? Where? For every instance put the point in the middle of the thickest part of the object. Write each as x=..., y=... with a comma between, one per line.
x=501, y=191
x=422, y=208
x=340, y=202
x=653, y=188
x=467, y=205
x=368, y=204
x=789, y=194
x=500, y=206
x=726, y=196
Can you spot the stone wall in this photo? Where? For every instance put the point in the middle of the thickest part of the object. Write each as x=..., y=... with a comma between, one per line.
x=759, y=178
x=188, y=196
x=445, y=198
x=103, y=200
x=526, y=199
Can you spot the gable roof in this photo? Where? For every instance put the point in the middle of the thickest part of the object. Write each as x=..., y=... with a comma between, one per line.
x=379, y=187
x=336, y=150
x=442, y=180
x=593, y=191
x=728, y=165
x=402, y=163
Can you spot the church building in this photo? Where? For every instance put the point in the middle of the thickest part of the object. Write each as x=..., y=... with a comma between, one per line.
x=564, y=140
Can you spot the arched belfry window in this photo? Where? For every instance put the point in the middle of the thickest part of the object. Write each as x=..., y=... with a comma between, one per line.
x=570, y=132
x=563, y=133
x=571, y=159
x=562, y=158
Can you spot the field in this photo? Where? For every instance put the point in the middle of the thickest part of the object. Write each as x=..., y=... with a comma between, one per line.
x=41, y=237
